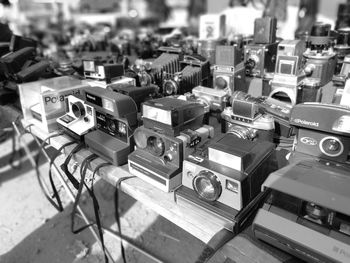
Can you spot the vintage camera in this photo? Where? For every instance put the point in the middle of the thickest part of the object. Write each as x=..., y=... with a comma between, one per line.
x=320, y=58
x=158, y=157
x=116, y=119
x=138, y=94
x=168, y=62
x=260, y=56
x=196, y=71
x=229, y=71
x=342, y=47
x=339, y=80
x=170, y=116
x=41, y=69
x=322, y=132
x=306, y=211
x=245, y=120
x=13, y=62
x=215, y=100
x=80, y=118
x=228, y=178
x=95, y=69
x=19, y=42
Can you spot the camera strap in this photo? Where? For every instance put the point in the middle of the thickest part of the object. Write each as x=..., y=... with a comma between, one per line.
x=64, y=166
x=117, y=215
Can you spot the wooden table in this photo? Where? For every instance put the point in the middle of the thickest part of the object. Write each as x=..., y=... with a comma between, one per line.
x=202, y=225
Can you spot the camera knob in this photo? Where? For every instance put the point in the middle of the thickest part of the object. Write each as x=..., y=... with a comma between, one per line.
x=168, y=157
x=86, y=119
x=309, y=69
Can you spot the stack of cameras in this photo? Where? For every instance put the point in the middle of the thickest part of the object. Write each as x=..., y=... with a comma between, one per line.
x=195, y=71
x=306, y=209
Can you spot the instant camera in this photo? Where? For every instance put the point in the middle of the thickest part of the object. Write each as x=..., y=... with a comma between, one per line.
x=225, y=180
x=306, y=211
x=116, y=119
x=322, y=132
x=80, y=118
x=96, y=69
x=172, y=129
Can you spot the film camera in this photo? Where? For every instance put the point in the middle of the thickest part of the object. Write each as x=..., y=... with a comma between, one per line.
x=245, y=120
x=138, y=94
x=228, y=178
x=96, y=69
x=168, y=62
x=229, y=72
x=80, y=118
x=260, y=56
x=342, y=47
x=195, y=71
x=323, y=132
x=215, y=100
x=287, y=83
x=320, y=58
x=161, y=149
x=116, y=119
x=306, y=211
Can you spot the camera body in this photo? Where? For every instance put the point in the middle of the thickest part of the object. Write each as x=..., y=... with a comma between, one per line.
x=158, y=157
x=260, y=59
x=306, y=211
x=195, y=71
x=322, y=132
x=244, y=119
x=116, y=119
x=170, y=116
x=229, y=71
x=80, y=118
x=96, y=69
x=225, y=180
x=216, y=100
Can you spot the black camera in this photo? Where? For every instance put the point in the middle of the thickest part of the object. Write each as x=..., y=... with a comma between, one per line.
x=116, y=119
x=96, y=69
x=322, y=132
x=195, y=72
x=245, y=120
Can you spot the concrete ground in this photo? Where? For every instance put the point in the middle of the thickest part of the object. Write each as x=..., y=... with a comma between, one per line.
x=31, y=230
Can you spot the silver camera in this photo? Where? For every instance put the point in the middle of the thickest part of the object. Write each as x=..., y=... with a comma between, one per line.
x=80, y=118
x=215, y=100
x=244, y=119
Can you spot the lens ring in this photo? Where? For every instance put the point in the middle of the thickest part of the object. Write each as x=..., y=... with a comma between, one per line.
x=207, y=186
x=220, y=83
x=170, y=87
x=241, y=132
x=78, y=109
x=332, y=140
x=155, y=145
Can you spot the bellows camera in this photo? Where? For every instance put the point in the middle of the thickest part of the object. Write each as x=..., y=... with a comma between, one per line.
x=229, y=71
x=116, y=119
x=227, y=179
x=80, y=118
x=244, y=119
x=323, y=131
x=306, y=212
x=95, y=69
x=195, y=71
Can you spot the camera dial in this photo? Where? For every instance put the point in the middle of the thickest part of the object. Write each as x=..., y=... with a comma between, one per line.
x=243, y=132
x=78, y=109
x=207, y=186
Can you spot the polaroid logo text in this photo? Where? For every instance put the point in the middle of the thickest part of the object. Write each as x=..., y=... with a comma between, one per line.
x=304, y=122
x=60, y=98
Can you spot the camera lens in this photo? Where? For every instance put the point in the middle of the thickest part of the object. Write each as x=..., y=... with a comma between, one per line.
x=220, y=83
x=78, y=109
x=140, y=139
x=316, y=212
x=111, y=125
x=331, y=146
x=207, y=186
x=155, y=145
x=242, y=132
x=170, y=87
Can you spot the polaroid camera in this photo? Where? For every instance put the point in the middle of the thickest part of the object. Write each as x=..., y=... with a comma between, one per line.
x=116, y=119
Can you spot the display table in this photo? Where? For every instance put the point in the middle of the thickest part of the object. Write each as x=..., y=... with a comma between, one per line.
x=202, y=225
